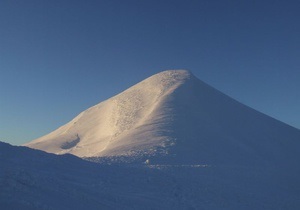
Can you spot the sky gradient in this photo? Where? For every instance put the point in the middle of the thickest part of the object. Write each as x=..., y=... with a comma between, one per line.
x=58, y=58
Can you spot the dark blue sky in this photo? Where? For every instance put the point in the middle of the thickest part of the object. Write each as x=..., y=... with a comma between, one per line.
x=58, y=58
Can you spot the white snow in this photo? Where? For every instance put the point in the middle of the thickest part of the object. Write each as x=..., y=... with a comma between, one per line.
x=169, y=142
x=32, y=179
x=178, y=119
x=114, y=126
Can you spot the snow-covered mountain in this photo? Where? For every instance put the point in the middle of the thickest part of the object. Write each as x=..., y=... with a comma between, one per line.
x=175, y=118
x=204, y=150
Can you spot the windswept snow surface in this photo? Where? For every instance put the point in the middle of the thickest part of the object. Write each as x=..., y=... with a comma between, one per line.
x=35, y=180
x=174, y=118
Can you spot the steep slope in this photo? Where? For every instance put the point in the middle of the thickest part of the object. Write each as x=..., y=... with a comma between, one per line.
x=175, y=118
x=101, y=129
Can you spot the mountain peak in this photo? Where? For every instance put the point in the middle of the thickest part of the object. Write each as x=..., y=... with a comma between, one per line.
x=173, y=72
x=101, y=129
x=178, y=73
x=175, y=115
x=165, y=80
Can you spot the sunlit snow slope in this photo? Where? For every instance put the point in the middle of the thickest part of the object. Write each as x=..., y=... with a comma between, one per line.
x=175, y=117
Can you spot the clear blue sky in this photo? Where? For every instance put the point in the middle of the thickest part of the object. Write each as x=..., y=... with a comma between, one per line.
x=57, y=58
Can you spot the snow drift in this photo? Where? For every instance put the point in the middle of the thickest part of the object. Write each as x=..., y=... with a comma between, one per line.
x=32, y=179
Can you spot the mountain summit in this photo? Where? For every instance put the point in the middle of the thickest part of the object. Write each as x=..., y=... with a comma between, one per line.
x=174, y=117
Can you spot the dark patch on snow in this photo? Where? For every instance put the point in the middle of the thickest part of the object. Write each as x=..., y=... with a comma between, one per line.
x=70, y=144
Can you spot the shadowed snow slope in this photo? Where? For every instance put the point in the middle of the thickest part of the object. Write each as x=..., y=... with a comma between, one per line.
x=175, y=118
x=35, y=180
